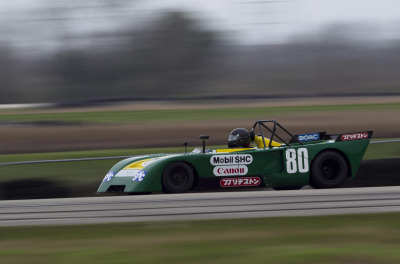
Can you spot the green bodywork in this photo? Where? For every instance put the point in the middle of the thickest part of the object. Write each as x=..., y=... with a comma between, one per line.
x=283, y=166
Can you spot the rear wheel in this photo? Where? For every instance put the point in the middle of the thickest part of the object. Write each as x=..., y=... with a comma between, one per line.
x=328, y=170
x=177, y=177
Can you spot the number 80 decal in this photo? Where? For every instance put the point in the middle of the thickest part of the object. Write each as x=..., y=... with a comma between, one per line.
x=297, y=161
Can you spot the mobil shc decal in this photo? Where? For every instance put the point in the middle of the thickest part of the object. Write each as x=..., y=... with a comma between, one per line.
x=231, y=165
x=239, y=182
x=237, y=159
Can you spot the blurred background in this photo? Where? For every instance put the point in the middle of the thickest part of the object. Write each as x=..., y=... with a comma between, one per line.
x=105, y=78
x=102, y=78
x=172, y=55
x=70, y=51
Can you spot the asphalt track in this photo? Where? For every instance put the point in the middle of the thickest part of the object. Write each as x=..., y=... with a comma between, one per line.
x=199, y=206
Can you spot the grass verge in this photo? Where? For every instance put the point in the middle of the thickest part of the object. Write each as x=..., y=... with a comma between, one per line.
x=370, y=239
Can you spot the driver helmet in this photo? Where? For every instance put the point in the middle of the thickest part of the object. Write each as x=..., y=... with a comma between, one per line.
x=239, y=138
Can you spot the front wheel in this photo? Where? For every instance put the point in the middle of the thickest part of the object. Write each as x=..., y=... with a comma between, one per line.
x=177, y=177
x=328, y=170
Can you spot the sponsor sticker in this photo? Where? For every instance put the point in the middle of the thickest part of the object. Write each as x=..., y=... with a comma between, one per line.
x=127, y=173
x=355, y=136
x=136, y=175
x=108, y=176
x=239, y=182
x=237, y=159
x=139, y=176
x=140, y=164
x=309, y=137
x=230, y=170
x=144, y=164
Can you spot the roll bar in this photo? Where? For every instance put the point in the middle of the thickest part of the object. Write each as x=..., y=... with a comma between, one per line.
x=262, y=123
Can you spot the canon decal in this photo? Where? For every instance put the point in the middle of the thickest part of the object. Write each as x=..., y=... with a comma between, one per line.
x=230, y=170
x=355, y=136
x=238, y=159
x=239, y=182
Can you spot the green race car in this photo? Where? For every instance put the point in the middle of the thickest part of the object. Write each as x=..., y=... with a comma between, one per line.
x=267, y=156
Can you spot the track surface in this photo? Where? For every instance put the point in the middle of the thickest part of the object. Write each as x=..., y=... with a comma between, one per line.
x=197, y=206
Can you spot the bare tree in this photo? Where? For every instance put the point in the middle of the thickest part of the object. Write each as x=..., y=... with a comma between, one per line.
x=164, y=60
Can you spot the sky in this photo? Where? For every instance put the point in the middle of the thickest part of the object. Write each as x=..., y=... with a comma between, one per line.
x=47, y=23
x=276, y=21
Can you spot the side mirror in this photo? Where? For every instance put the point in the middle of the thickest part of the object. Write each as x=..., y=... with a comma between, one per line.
x=204, y=137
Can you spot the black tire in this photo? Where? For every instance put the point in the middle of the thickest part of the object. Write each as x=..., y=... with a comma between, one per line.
x=328, y=170
x=177, y=177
